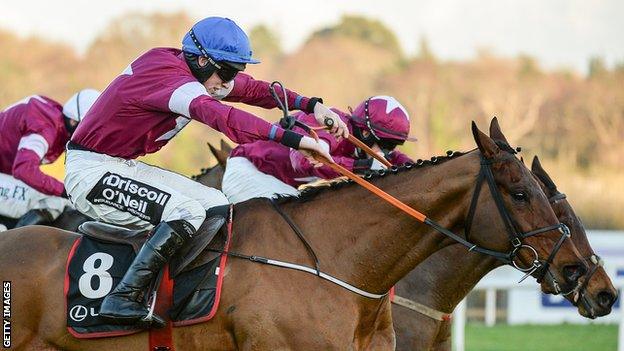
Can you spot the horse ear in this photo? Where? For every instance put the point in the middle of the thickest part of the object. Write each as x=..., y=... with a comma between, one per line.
x=220, y=155
x=225, y=147
x=536, y=166
x=214, y=151
x=495, y=131
x=538, y=170
x=486, y=145
x=540, y=173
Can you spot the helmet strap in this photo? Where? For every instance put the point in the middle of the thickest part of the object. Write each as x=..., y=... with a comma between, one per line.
x=70, y=128
x=367, y=119
x=201, y=73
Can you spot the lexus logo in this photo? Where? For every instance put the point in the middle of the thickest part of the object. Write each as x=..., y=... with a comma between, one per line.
x=78, y=313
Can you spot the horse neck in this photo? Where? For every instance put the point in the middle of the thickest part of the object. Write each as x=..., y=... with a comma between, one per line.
x=371, y=243
x=445, y=278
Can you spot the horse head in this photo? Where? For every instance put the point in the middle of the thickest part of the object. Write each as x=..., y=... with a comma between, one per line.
x=596, y=295
x=539, y=243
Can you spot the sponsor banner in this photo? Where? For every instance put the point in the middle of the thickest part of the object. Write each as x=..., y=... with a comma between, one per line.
x=128, y=195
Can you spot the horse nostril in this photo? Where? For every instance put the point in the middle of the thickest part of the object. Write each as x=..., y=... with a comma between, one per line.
x=606, y=299
x=573, y=272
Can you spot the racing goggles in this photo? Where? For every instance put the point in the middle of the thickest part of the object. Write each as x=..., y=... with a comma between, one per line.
x=388, y=144
x=225, y=71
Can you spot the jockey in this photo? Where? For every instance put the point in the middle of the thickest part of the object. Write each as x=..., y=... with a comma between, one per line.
x=138, y=113
x=261, y=169
x=34, y=132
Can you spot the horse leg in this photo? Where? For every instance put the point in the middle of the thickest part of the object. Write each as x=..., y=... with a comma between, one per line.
x=443, y=340
x=36, y=283
x=414, y=331
x=383, y=337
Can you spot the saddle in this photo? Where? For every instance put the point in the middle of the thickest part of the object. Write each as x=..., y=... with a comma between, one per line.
x=187, y=290
x=187, y=258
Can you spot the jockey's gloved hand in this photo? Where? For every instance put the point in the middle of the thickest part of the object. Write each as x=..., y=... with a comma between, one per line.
x=339, y=128
x=376, y=165
x=309, y=147
x=363, y=165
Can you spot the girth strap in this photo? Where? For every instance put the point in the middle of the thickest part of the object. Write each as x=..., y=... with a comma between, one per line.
x=420, y=308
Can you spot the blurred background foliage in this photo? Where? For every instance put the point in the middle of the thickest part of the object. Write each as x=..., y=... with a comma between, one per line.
x=574, y=123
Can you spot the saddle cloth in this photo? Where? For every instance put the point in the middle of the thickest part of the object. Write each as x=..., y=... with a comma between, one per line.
x=96, y=265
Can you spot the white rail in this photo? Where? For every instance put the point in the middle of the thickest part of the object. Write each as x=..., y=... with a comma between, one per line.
x=459, y=316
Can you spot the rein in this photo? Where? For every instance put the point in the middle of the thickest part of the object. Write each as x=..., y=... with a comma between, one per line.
x=486, y=172
x=441, y=316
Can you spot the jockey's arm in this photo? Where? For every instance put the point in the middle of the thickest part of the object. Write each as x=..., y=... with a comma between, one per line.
x=240, y=126
x=254, y=92
x=38, y=133
x=190, y=99
x=26, y=168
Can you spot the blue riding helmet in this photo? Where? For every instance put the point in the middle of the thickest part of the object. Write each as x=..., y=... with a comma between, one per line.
x=221, y=39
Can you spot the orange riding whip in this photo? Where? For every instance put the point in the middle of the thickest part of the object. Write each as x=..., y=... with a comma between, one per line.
x=367, y=185
x=356, y=142
x=372, y=188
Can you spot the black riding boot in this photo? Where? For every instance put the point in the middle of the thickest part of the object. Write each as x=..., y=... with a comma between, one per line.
x=124, y=305
x=33, y=217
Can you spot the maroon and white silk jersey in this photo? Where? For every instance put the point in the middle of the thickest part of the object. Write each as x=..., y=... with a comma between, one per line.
x=33, y=132
x=292, y=168
x=157, y=95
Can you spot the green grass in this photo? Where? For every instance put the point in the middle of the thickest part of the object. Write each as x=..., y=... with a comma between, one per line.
x=564, y=337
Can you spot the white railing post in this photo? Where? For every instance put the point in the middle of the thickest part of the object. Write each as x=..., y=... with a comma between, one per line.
x=490, y=307
x=621, y=328
x=459, y=327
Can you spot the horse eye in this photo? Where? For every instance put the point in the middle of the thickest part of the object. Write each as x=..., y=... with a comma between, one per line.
x=520, y=196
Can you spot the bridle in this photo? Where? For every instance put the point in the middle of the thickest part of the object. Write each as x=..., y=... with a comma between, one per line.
x=596, y=261
x=538, y=267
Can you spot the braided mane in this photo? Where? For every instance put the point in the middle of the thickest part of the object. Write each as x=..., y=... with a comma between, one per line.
x=311, y=192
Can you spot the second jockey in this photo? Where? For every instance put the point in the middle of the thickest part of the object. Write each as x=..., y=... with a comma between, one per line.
x=34, y=132
x=138, y=113
x=262, y=169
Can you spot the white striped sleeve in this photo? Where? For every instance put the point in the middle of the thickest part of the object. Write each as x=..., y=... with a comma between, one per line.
x=181, y=98
x=34, y=142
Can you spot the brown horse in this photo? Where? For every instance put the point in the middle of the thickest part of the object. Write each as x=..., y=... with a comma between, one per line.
x=269, y=308
x=433, y=283
x=445, y=278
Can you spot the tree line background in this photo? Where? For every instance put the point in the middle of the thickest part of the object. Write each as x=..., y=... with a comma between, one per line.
x=573, y=122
